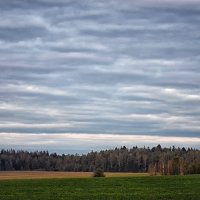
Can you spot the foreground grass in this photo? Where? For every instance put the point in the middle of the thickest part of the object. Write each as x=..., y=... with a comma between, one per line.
x=149, y=188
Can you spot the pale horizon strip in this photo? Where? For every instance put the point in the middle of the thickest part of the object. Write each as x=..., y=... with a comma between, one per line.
x=93, y=141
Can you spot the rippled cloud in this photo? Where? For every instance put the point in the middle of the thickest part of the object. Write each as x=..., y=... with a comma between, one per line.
x=100, y=67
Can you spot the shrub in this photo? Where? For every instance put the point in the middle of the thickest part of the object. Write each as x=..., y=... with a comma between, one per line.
x=98, y=173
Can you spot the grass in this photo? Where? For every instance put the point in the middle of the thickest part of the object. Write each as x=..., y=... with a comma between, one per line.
x=138, y=187
x=7, y=175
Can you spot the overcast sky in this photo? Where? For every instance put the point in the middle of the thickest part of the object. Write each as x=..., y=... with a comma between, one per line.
x=77, y=75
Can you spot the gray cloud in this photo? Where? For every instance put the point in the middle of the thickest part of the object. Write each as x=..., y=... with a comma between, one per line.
x=81, y=143
x=18, y=34
x=96, y=67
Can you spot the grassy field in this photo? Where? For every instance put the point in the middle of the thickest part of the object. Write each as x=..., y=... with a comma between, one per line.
x=138, y=187
x=42, y=175
x=10, y=175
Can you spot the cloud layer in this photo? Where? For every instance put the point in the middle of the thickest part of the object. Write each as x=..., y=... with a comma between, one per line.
x=82, y=143
x=100, y=67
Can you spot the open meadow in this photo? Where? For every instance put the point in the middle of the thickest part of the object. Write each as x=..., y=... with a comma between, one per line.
x=10, y=175
x=83, y=186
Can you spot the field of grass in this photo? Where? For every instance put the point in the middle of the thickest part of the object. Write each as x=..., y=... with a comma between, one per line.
x=138, y=187
x=8, y=175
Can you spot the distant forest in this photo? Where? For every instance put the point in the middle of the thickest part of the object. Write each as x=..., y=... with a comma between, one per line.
x=156, y=160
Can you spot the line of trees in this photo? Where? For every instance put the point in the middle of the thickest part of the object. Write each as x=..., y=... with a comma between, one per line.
x=165, y=161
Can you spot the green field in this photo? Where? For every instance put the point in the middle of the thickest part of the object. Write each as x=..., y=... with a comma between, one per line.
x=158, y=187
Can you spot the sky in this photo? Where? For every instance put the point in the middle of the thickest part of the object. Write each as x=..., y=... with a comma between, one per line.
x=82, y=75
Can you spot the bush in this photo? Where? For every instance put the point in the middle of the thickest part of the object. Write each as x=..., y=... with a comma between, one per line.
x=98, y=173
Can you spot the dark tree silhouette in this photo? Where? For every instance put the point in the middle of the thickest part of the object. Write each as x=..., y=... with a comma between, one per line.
x=165, y=161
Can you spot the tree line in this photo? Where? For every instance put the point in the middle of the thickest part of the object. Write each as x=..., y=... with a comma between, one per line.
x=165, y=161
